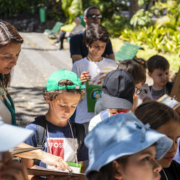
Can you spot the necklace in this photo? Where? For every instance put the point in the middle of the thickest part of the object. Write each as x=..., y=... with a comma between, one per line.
x=165, y=174
x=10, y=105
x=94, y=61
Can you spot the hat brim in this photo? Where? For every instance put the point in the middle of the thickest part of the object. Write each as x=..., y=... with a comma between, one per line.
x=11, y=136
x=163, y=144
x=111, y=102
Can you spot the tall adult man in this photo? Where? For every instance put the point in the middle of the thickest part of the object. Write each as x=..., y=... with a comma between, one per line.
x=78, y=48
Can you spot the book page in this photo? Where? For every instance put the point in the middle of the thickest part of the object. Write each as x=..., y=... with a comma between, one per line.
x=145, y=93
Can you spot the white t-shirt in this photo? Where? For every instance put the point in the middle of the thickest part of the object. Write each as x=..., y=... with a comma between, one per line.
x=4, y=111
x=82, y=115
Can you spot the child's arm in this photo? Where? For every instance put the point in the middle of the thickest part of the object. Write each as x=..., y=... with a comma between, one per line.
x=83, y=169
x=46, y=158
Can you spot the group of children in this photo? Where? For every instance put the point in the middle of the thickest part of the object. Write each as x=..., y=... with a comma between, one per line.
x=124, y=140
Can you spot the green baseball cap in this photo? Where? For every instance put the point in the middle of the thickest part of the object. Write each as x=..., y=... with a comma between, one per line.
x=52, y=83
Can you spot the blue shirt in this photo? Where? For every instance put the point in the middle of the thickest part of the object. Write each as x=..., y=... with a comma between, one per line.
x=60, y=142
x=78, y=47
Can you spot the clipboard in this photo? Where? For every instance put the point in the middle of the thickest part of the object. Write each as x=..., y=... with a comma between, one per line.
x=17, y=151
x=170, y=101
x=40, y=171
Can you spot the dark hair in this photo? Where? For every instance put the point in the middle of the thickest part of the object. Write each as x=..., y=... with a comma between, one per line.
x=95, y=32
x=51, y=95
x=157, y=62
x=156, y=114
x=107, y=172
x=8, y=34
x=135, y=69
x=87, y=11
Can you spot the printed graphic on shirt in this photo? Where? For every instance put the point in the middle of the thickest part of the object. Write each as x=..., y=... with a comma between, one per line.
x=66, y=148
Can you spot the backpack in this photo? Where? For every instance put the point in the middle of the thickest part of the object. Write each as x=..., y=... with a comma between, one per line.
x=41, y=134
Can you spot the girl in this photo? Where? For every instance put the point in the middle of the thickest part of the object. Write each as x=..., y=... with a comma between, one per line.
x=121, y=147
x=166, y=121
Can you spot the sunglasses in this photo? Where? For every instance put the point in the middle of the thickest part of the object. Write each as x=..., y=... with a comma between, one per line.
x=93, y=16
x=138, y=91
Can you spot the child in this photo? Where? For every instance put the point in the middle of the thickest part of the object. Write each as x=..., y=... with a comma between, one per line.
x=122, y=147
x=96, y=38
x=139, y=76
x=63, y=93
x=117, y=95
x=166, y=121
x=158, y=70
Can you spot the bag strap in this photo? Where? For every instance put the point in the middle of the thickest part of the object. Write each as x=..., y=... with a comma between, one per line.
x=41, y=134
x=80, y=133
x=104, y=114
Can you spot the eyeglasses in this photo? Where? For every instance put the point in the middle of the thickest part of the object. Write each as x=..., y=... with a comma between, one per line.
x=138, y=91
x=93, y=16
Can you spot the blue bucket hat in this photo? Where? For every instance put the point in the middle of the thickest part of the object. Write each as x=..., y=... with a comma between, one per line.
x=122, y=135
x=11, y=136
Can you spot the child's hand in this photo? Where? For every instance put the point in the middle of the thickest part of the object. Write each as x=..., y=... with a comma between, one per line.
x=56, y=161
x=85, y=76
x=135, y=102
x=62, y=178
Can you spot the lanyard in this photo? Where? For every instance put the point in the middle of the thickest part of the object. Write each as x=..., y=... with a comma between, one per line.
x=73, y=141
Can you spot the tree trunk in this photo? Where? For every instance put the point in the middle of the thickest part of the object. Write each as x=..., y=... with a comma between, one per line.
x=133, y=8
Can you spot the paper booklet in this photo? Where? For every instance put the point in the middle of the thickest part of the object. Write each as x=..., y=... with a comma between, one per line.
x=99, y=78
x=145, y=92
x=23, y=150
x=40, y=171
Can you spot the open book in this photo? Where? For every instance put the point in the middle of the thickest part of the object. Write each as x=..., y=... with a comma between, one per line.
x=40, y=171
x=22, y=150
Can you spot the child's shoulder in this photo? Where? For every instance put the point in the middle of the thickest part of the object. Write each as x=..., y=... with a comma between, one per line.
x=81, y=61
x=110, y=61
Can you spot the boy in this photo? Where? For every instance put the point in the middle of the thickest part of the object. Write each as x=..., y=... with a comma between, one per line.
x=117, y=95
x=158, y=70
x=96, y=38
x=63, y=93
x=139, y=76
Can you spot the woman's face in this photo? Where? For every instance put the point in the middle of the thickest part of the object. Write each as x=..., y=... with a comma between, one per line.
x=8, y=57
x=139, y=166
x=172, y=130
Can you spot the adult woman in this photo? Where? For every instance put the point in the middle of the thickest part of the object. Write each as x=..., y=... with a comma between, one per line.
x=121, y=147
x=10, y=47
x=166, y=121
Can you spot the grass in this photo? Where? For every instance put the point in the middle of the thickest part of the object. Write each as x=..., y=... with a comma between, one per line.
x=174, y=59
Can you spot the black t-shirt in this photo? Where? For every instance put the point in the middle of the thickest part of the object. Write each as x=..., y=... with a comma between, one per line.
x=77, y=46
x=172, y=173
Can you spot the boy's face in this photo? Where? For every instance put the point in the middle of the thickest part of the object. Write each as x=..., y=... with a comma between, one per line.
x=160, y=77
x=64, y=105
x=97, y=48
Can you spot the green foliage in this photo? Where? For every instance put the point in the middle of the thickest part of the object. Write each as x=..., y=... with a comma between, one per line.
x=141, y=18
x=10, y=7
x=161, y=39
x=116, y=25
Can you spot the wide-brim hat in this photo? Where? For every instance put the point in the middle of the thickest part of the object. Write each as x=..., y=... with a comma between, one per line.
x=122, y=135
x=11, y=136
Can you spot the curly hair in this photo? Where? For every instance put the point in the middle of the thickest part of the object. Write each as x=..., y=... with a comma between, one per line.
x=51, y=95
x=95, y=32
